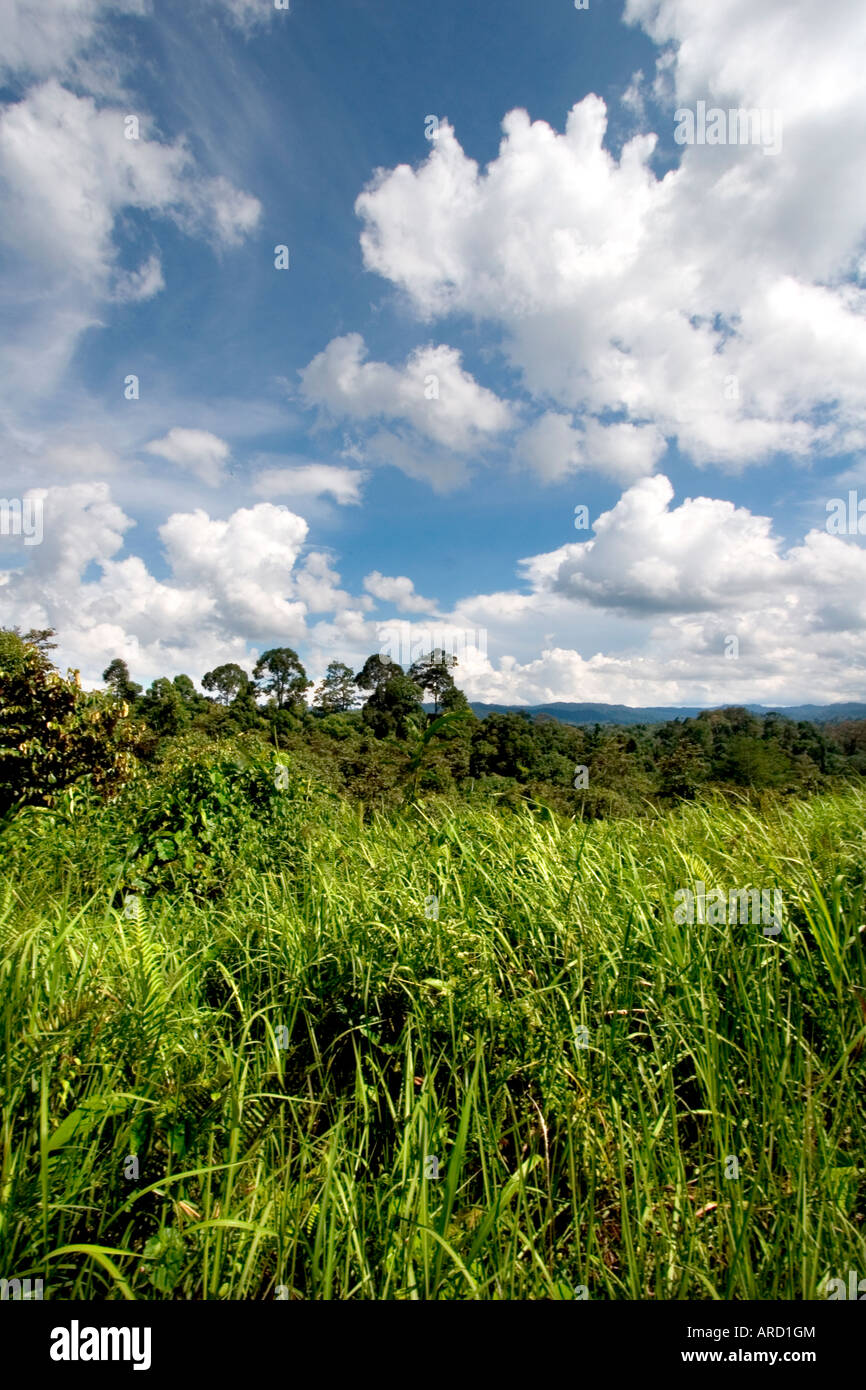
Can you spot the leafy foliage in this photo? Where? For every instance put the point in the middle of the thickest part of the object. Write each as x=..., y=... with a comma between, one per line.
x=282, y=676
x=52, y=733
x=337, y=692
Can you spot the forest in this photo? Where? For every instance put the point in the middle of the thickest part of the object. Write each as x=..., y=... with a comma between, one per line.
x=372, y=736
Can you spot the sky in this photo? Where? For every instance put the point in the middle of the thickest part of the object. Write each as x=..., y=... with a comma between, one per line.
x=363, y=326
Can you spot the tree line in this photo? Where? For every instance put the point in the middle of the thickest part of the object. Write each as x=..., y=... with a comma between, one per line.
x=369, y=735
x=391, y=698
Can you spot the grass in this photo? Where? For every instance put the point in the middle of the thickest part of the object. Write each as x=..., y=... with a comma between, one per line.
x=249, y=1096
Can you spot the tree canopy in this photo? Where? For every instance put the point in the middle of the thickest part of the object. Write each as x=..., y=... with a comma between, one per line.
x=51, y=732
x=280, y=674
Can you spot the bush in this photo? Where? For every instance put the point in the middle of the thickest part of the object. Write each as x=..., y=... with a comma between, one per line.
x=52, y=733
x=209, y=809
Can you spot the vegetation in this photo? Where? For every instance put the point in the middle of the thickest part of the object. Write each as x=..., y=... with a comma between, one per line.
x=384, y=751
x=296, y=1009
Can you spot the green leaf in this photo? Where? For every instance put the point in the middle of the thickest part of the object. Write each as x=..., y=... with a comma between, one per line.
x=80, y=1121
x=166, y=1251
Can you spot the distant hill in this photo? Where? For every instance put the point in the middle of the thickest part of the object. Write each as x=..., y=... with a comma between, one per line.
x=660, y=714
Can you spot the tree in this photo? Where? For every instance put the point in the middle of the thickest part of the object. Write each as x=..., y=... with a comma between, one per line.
x=394, y=708
x=164, y=709
x=376, y=671
x=116, y=677
x=39, y=637
x=227, y=681
x=52, y=732
x=433, y=673
x=750, y=762
x=504, y=745
x=682, y=770
x=188, y=693
x=281, y=675
x=338, y=692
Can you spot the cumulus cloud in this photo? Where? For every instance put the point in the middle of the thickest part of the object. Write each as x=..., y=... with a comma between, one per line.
x=198, y=451
x=231, y=582
x=398, y=590
x=698, y=603
x=244, y=562
x=717, y=303
x=672, y=585
x=317, y=583
x=438, y=408
x=551, y=446
x=312, y=480
x=643, y=613
x=647, y=557
x=555, y=445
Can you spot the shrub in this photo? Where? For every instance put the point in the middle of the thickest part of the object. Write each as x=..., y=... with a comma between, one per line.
x=52, y=733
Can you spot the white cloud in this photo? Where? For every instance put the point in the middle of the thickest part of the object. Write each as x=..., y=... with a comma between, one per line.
x=246, y=562
x=40, y=39
x=67, y=174
x=398, y=590
x=640, y=614
x=317, y=584
x=198, y=451
x=443, y=406
x=713, y=303
x=230, y=582
x=312, y=480
x=622, y=451
x=654, y=599
x=554, y=446
x=703, y=555
x=69, y=169
x=551, y=446
x=249, y=15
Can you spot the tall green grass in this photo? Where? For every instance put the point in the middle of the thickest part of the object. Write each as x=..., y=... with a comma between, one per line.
x=290, y=1060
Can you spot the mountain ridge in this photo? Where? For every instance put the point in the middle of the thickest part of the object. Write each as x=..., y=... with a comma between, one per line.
x=597, y=713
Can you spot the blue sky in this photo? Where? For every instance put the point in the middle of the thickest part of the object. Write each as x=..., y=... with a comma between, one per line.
x=549, y=303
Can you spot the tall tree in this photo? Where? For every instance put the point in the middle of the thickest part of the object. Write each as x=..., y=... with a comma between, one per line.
x=433, y=673
x=40, y=638
x=164, y=709
x=280, y=674
x=227, y=682
x=376, y=671
x=116, y=677
x=337, y=692
x=195, y=703
x=394, y=708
